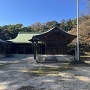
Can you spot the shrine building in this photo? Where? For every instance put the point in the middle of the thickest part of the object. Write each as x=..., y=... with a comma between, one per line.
x=53, y=41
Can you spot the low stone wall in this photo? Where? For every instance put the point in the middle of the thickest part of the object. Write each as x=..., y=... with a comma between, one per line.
x=55, y=57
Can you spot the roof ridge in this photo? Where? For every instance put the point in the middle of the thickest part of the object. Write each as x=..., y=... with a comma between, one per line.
x=29, y=32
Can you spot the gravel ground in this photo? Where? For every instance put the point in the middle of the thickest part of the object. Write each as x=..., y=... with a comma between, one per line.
x=28, y=88
x=15, y=75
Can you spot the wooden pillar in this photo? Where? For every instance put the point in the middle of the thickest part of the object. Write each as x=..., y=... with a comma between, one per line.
x=41, y=48
x=24, y=49
x=17, y=50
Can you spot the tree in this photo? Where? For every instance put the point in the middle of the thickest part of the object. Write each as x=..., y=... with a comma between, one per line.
x=54, y=23
x=10, y=31
x=69, y=25
x=18, y=26
x=63, y=25
x=37, y=26
x=27, y=29
x=74, y=23
x=51, y=24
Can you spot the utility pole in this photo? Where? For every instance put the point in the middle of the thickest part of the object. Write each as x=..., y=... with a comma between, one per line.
x=78, y=30
x=77, y=54
x=77, y=45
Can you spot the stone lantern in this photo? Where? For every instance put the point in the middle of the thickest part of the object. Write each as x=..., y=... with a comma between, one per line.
x=34, y=41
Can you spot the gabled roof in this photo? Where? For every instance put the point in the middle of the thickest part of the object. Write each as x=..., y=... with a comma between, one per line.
x=23, y=37
x=57, y=30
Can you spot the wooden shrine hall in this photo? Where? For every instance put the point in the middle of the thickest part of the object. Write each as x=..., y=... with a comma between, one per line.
x=53, y=41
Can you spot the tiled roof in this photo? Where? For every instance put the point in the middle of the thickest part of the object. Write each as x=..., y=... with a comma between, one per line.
x=69, y=37
x=23, y=37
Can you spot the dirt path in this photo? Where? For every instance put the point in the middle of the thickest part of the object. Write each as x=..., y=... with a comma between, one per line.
x=16, y=72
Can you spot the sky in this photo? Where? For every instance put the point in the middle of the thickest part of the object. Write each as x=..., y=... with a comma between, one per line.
x=28, y=12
